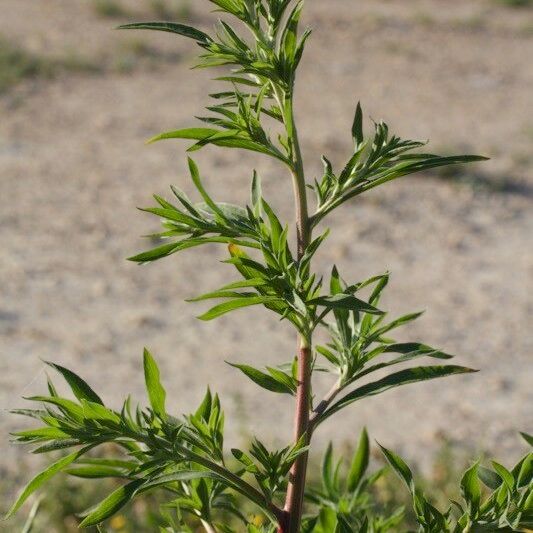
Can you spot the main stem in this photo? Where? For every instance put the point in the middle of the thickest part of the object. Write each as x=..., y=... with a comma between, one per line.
x=297, y=478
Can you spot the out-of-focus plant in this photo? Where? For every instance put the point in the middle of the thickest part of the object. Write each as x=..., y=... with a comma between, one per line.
x=185, y=457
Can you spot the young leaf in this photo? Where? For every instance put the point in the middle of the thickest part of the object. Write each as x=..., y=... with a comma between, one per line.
x=188, y=133
x=401, y=468
x=152, y=378
x=347, y=302
x=238, y=303
x=359, y=462
x=79, y=387
x=471, y=489
x=170, y=27
x=357, y=128
x=44, y=476
x=266, y=381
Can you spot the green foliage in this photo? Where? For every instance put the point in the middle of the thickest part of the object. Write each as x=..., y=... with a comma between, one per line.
x=505, y=505
x=109, y=8
x=17, y=64
x=516, y=3
x=185, y=456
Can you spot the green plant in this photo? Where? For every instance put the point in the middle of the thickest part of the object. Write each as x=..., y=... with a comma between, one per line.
x=17, y=64
x=171, y=9
x=185, y=457
x=516, y=3
x=508, y=506
x=109, y=8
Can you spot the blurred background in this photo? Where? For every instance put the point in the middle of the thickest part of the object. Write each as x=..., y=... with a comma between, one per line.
x=77, y=102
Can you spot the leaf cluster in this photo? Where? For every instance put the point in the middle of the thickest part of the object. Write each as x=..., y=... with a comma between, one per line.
x=343, y=503
x=183, y=456
x=375, y=161
x=494, y=499
x=359, y=342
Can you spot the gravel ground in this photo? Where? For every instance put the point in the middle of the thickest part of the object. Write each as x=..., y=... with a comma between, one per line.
x=73, y=168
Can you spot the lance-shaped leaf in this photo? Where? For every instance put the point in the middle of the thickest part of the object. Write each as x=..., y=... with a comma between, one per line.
x=401, y=468
x=170, y=27
x=359, y=462
x=44, y=476
x=528, y=438
x=347, y=302
x=152, y=377
x=79, y=387
x=272, y=382
x=187, y=133
x=357, y=127
x=112, y=504
x=237, y=303
x=471, y=489
x=403, y=377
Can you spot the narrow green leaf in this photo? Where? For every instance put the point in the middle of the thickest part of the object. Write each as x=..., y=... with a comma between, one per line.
x=264, y=380
x=328, y=471
x=528, y=438
x=44, y=476
x=152, y=377
x=79, y=387
x=507, y=476
x=96, y=472
x=359, y=462
x=183, y=475
x=401, y=468
x=195, y=175
x=187, y=133
x=345, y=301
x=489, y=478
x=238, y=303
x=403, y=377
x=357, y=127
x=170, y=27
x=112, y=504
x=155, y=253
x=470, y=488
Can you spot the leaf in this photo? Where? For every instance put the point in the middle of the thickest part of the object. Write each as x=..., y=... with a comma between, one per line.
x=96, y=472
x=238, y=303
x=489, y=478
x=183, y=475
x=400, y=467
x=471, y=489
x=246, y=460
x=264, y=380
x=359, y=462
x=155, y=253
x=256, y=195
x=527, y=438
x=345, y=301
x=156, y=392
x=328, y=471
x=357, y=127
x=44, y=476
x=187, y=133
x=79, y=387
x=403, y=377
x=180, y=29
x=507, y=477
x=113, y=503
x=195, y=175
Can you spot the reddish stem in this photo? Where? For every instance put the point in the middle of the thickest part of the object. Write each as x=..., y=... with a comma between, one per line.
x=295, y=491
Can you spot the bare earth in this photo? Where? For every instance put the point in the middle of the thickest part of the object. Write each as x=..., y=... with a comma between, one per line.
x=73, y=168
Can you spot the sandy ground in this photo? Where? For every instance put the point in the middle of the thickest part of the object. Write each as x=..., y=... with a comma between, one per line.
x=73, y=168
